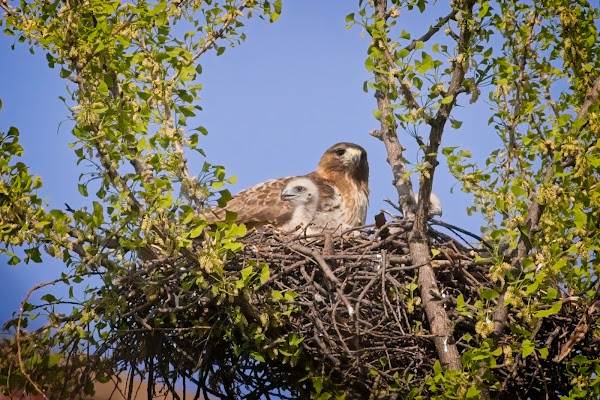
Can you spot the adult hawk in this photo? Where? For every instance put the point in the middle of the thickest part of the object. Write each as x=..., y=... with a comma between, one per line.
x=342, y=179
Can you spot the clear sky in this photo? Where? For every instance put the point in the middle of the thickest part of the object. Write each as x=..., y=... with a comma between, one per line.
x=271, y=106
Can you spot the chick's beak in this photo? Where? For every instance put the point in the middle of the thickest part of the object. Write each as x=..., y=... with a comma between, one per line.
x=285, y=195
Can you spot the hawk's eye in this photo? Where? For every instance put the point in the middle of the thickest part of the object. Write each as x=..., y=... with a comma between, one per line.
x=340, y=152
x=299, y=189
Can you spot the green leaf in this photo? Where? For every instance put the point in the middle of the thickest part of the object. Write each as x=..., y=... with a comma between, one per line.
x=447, y=99
x=225, y=197
x=197, y=231
x=448, y=150
x=318, y=384
x=578, y=123
x=473, y=392
x=41, y=224
x=425, y=65
x=165, y=201
x=518, y=191
x=49, y=298
x=54, y=359
x=402, y=53
x=456, y=124
x=264, y=273
x=217, y=185
x=497, y=352
x=246, y=273
x=257, y=356
x=276, y=295
x=483, y=10
x=34, y=254
x=580, y=217
x=551, y=311
x=527, y=347
x=532, y=288
x=103, y=88
x=489, y=294
x=82, y=189
x=274, y=16
x=290, y=295
x=551, y=294
x=202, y=130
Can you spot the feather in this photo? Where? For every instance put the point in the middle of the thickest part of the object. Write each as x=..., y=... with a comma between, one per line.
x=435, y=206
x=303, y=194
x=341, y=180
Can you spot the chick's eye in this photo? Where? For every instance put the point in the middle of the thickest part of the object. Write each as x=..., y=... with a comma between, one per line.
x=299, y=189
x=340, y=152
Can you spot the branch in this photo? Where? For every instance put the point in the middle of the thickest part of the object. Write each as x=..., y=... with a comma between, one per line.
x=388, y=135
x=219, y=34
x=590, y=99
x=326, y=270
x=439, y=322
x=20, y=318
x=4, y=5
x=404, y=86
x=432, y=30
x=437, y=124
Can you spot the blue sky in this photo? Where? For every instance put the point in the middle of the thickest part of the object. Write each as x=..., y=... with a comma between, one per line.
x=271, y=106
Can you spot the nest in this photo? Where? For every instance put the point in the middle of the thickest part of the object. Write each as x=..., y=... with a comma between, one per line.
x=346, y=308
x=353, y=300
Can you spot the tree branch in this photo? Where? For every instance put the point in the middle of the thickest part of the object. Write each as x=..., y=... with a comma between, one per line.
x=388, y=133
x=432, y=30
x=439, y=321
x=4, y=5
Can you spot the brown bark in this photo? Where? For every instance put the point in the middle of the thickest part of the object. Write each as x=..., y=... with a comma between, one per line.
x=439, y=321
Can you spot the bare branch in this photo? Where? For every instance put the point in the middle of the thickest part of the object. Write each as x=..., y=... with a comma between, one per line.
x=9, y=10
x=432, y=30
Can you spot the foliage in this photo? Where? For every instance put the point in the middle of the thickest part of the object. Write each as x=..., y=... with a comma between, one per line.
x=536, y=63
x=133, y=67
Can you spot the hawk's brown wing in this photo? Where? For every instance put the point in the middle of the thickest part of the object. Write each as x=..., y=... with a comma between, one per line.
x=258, y=205
x=261, y=204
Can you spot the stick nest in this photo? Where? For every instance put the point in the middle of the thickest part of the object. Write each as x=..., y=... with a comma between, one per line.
x=346, y=308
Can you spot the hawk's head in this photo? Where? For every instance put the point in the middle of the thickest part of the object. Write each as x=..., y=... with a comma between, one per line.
x=346, y=158
x=300, y=192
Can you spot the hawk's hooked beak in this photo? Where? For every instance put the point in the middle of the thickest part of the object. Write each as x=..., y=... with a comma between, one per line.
x=285, y=195
x=354, y=156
